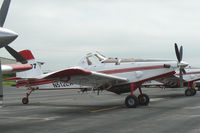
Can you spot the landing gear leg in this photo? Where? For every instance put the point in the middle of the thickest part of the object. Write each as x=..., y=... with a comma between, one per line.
x=25, y=99
x=131, y=101
x=143, y=98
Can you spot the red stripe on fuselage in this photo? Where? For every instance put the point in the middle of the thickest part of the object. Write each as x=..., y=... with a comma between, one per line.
x=131, y=69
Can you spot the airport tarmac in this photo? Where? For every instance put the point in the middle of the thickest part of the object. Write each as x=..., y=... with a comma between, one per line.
x=70, y=111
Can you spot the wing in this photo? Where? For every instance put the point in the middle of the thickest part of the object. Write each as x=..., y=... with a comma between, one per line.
x=174, y=79
x=191, y=76
x=11, y=68
x=83, y=77
x=171, y=81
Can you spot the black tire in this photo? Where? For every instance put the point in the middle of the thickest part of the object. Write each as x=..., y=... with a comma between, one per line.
x=188, y=92
x=25, y=100
x=131, y=101
x=143, y=99
x=193, y=92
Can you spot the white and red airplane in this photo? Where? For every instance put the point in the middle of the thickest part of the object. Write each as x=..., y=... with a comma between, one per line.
x=98, y=72
x=189, y=77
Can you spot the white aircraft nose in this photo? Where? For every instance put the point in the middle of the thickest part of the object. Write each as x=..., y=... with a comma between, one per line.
x=6, y=37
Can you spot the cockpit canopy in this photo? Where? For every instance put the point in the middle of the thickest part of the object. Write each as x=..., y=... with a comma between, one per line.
x=97, y=58
x=92, y=59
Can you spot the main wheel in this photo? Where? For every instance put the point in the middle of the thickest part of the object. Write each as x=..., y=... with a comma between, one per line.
x=25, y=100
x=188, y=92
x=131, y=101
x=193, y=92
x=143, y=99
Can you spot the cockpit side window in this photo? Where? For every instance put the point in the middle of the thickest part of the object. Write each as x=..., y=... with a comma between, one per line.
x=99, y=57
x=88, y=61
x=93, y=60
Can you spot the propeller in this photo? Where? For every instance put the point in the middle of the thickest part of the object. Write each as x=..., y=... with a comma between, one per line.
x=16, y=55
x=3, y=15
x=181, y=64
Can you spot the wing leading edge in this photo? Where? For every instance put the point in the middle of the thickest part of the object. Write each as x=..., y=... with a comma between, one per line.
x=84, y=77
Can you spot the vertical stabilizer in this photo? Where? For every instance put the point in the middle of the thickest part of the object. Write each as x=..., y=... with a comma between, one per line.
x=35, y=71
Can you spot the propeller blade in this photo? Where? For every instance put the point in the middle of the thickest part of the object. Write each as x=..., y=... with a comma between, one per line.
x=181, y=53
x=16, y=55
x=4, y=11
x=177, y=52
x=183, y=70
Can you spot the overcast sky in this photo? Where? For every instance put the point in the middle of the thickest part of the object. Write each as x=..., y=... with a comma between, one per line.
x=60, y=32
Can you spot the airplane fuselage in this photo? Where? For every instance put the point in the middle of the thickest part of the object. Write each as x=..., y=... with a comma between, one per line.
x=133, y=71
